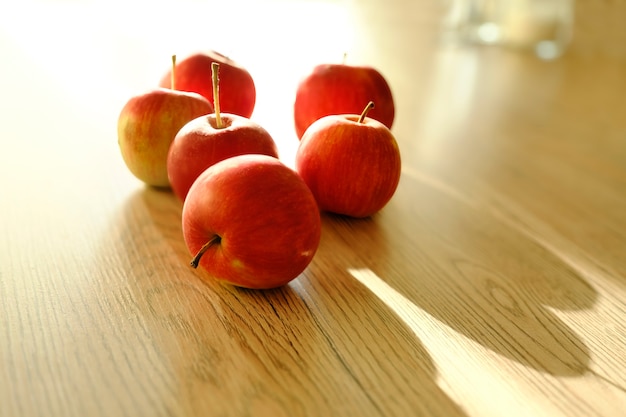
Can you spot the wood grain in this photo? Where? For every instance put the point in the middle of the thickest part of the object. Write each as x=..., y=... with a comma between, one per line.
x=492, y=284
x=598, y=30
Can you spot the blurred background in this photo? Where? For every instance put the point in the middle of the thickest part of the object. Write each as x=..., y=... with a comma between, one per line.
x=586, y=27
x=88, y=52
x=599, y=28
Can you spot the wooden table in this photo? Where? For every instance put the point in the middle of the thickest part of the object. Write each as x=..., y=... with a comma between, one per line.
x=493, y=283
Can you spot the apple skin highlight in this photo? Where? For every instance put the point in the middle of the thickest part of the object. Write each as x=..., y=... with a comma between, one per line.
x=200, y=144
x=267, y=222
x=352, y=168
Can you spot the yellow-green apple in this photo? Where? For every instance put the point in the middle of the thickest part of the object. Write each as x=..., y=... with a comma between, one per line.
x=341, y=89
x=251, y=221
x=147, y=125
x=211, y=138
x=193, y=73
x=350, y=162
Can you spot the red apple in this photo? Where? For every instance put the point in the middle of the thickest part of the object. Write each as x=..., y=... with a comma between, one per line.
x=193, y=73
x=351, y=163
x=251, y=221
x=211, y=138
x=147, y=125
x=341, y=89
x=201, y=143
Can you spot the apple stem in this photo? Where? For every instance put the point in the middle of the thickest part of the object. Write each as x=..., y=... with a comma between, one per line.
x=172, y=78
x=366, y=110
x=216, y=93
x=213, y=241
x=345, y=58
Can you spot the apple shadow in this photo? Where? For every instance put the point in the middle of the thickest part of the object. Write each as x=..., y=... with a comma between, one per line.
x=230, y=350
x=473, y=273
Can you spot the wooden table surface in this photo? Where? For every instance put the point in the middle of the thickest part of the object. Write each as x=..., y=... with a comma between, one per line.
x=493, y=283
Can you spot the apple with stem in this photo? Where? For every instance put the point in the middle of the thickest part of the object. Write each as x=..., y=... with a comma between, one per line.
x=350, y=162
x=341, y=89
x=147, y=125
x=211, y=138
x=193, y=74
x=251, y=221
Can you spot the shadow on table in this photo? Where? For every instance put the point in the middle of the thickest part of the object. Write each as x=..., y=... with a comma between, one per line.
x=328, y=343
x=473, y=273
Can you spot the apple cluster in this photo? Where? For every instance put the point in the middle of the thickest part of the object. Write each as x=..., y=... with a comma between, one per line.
x=248, y=218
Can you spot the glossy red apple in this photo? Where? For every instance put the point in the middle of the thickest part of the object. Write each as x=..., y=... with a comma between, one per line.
x=211, y=138
x=341, y=89
x=193, y=73
x=201, y=143
x=147, y=125
x=252, y=222
x=351, y=163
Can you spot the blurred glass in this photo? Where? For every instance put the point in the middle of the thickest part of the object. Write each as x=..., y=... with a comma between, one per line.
x=543, y=26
